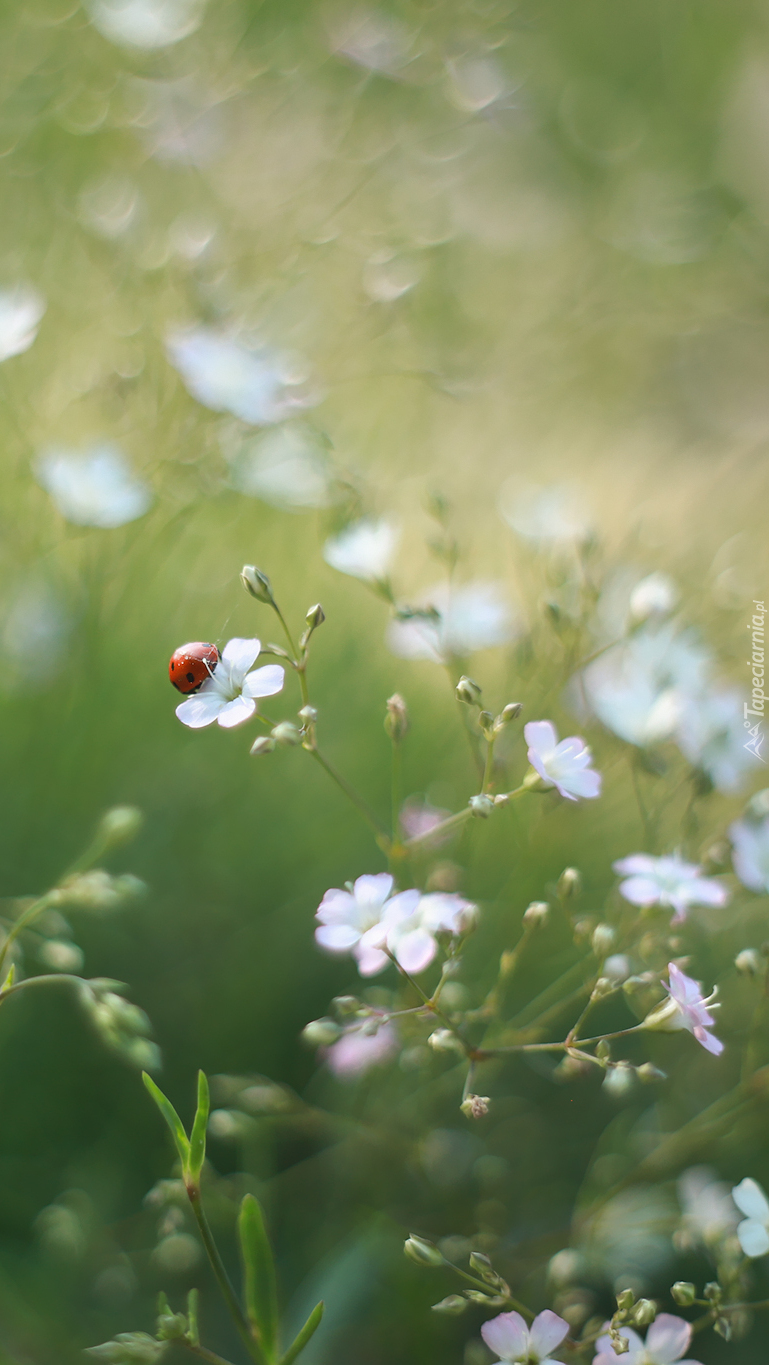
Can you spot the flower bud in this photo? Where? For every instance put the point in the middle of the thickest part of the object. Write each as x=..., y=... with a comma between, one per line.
x=119, y=825
x=475, y=1107
x=423, y=1252
x=712, y=1292
x=748, y=962
x=510, y=712
x=536, y=913
x=486, y=722
x=603, y=1051
x=257, y=584
x=286, y=734
x=602, y=940
x=648, y=1073
x=346, y=1005
x=396, y=721
x=625, y=1299
x=321, y=1032
x=315, y=616
x=683, y=1292
x=758, y=805
x=569, y=883
x=602, y=987
x=129, y=1348
x=620, y=1344
x=481, y=806
x=481, y=1264
x=454, y=1304
x=644, y=1312
x=443, y=1040
x=265, y=744
x=308, y=714
x=468, y=691
x=664, y=1017
x=724, y=1328
x=620, y=1079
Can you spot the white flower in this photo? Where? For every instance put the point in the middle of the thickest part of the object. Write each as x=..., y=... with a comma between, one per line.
x=364, y=549
x=471, y=617
x=655, y=595
x=284, y=467
x=229, y=696
x=706, y=1206
x=512, y=1340
x=356, y=1052
x=666, y=1340
x=753, y=1232
x=711, y=735
x=639, y=688
x=686, y=1007
x=554, y=513
x=93, y=488
x=20, y=312
x=750, y=843
x=145, y=23
x=668, y=881
x=616, y=967
x=367, y=919
x=253, y=382
x=565, y=766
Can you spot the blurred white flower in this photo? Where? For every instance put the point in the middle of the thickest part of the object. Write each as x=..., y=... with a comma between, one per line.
x=686, y=1008
x=616, y=967
x=668, y=881
x=475, y=83
x=256, y=383
x=565, y=766
x=639, y=688
x=21, y=310
x=475, y=616
x=33, y=634
x=95, y=487
x=356, y=1052
x=706, y=1206
x=230, y=695
x=548, y=514
x=510, y=1339
x=285, y=467
x=666, y=1340
x=418, y=817
x=753, y=1232
x=368, y=918
x=655, y=595
x=711, y=735
x=145, y=23
x=750, y=844
x=364, y=549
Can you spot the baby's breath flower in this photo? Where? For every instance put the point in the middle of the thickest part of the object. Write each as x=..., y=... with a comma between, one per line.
x=363, y=549
x=230, y=695
x=95, y=487
x=565, y=766
x=668, y=881
x=666, y=1340
x=686, y=1007
x=511, y=1340
x=753, y=1232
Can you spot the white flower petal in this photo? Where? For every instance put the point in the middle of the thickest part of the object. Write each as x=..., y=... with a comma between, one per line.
x=751, y=1200
x=547, y=1331
x=336, y=938
x=264, y=682
x=371, y=961
x=540, y=736
x=414, y=951
x=241, y=654
x=372, y=889
x=196, y=712
x=507, y=1335
x=667, y=1339
x=236, y=712
x=754, y=1237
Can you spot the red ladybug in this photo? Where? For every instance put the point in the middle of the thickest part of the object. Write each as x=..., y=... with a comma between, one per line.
x=191, y=664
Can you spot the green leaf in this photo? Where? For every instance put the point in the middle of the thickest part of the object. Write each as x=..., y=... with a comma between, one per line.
x=198, y=1135
x=172, y=1119
x=299, y=1342
x=259, y=1276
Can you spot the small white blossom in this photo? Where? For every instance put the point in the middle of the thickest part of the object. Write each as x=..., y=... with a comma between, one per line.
x=639, y=688
x=254, y=382
x=565, y=766
x=472, y=617
x=750, y=843
x=553, y=514
x=706, y=1206
x=364, y=549
x=285, y=467
x=368, y=919
x=711, y=735
x=230, y=695
x=668, y=881
x=655, y=595
x=686, y=1008
x=753, y=1232
x=95, y=487
x=356, y=1052
x=145, y=24
x=666, y=1340
x=21, y=310
x=509, y=1337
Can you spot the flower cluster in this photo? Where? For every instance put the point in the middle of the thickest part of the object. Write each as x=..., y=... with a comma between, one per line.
x=375, y=925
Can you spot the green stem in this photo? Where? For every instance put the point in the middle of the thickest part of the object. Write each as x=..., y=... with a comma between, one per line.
x=350, y=792
x=487, y=1289
x=222, y=1278
x=489, y=764
x=25, y=919
x=395, y=789
x=429, y=1002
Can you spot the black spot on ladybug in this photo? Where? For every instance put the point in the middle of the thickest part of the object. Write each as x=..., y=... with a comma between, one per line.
x=190, y=677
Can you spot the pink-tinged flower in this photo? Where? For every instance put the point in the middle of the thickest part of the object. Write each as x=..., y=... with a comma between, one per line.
x=230, y=695
x=512, y=1340
x=356, y=1052
x=419, y=818
x=666, y=1340
x=565, y=766
x=368, y=919
x=686, y=1007
x=668, y=881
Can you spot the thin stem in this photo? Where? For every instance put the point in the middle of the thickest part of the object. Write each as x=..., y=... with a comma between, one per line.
x=350, y=792
x=222, y=1278
x=489, y=764
x=395, y=788
x=621, y=1033
x=487, y=1289
x=26, y=918
x=430, y=1003
x=452, y=822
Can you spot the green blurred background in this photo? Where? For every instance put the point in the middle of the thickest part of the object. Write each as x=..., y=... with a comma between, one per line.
x=510, y=241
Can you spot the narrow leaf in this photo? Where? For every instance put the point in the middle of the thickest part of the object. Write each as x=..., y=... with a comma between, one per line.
x=172, y=1119
x=259, y=1277
x=198, y=1135
x=299, y=1342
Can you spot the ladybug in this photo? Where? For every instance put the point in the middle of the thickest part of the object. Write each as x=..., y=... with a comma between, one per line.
x=191, y=664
